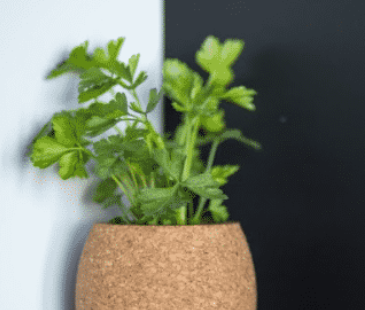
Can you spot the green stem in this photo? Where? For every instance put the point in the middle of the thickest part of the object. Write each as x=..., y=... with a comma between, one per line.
x=76, y=148
x=131, y=168
x=202, y=200
x=143, y=181
x=135, y=96
x=153, y=221
x=181, y=215
x=185, y=129
x=141, y=175
x=212, y=153
x=152, y=180
x=192, y=133
x=128, y=183
x=132, y=173
x=122, y=188
x=123, y=85
x=119, y=131
x=134, y=93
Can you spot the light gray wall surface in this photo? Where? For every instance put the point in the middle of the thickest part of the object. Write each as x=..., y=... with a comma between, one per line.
x=44, y=220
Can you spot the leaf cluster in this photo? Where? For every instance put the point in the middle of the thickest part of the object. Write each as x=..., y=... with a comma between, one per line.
x=160, y=176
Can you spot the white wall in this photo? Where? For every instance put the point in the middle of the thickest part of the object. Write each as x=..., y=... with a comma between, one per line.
x=44, y=221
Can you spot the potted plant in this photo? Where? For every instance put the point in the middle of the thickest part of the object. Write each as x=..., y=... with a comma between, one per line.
x=159, y=254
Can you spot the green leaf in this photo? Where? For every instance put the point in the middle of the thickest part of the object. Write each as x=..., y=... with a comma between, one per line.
x=210, y=193
x=95, y=92
x=236, y=134
x=217, y=91
x=168, y=217
x=221, y=173
x=242, y=96
x=105, y=189
x=123, y=72
x=45, y=131
x=105, y=166
x=79, y=57
x=177, y=202
x=68, y=164
x=110, y=146
x=64, y=130
x=201, y=180
x=110, y=152
x=198, y=165
x=133, y=133
x=153, y=139
x=112, y=110
x=121, y=102
x=170, y=167
x=66, y=146
x=165, y=207
x=80, y=170
x=219, y=212
x=230, y=51
x=177, y=163
x=91, y=77
x=81, y=118
x=204, y=185
x=64, y=68
x=178, y=81
x=185, y=194
x=207, y=108
x=222, y=76
x=179, y=108
x=154, y=98
x=197, y=87
x=136, y=107
x=78, y=62
x=114, y=48
x=150, y=194
x=72, y=165
x=93, y=84
x=133, y=63
x=47, y=151
x=214, y=123
x=96, y=126
x=155, y=200
x=208, y=56
x=110, y=61
x=100, y=57
x=217, y=59
x=140, y=79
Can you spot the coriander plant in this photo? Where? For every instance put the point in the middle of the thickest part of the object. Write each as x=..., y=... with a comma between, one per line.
x=160, y=176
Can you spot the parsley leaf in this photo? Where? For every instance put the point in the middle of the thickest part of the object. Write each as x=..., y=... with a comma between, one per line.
x=217, y=59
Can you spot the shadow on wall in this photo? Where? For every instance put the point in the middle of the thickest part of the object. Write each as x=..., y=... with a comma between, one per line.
x=62, y=258
x=67, y=273
x=67, y=98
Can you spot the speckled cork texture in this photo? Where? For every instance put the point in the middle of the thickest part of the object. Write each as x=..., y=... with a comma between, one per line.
x=134, y=267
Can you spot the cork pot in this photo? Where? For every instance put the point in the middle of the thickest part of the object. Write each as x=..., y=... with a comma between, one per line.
x=189, y=267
